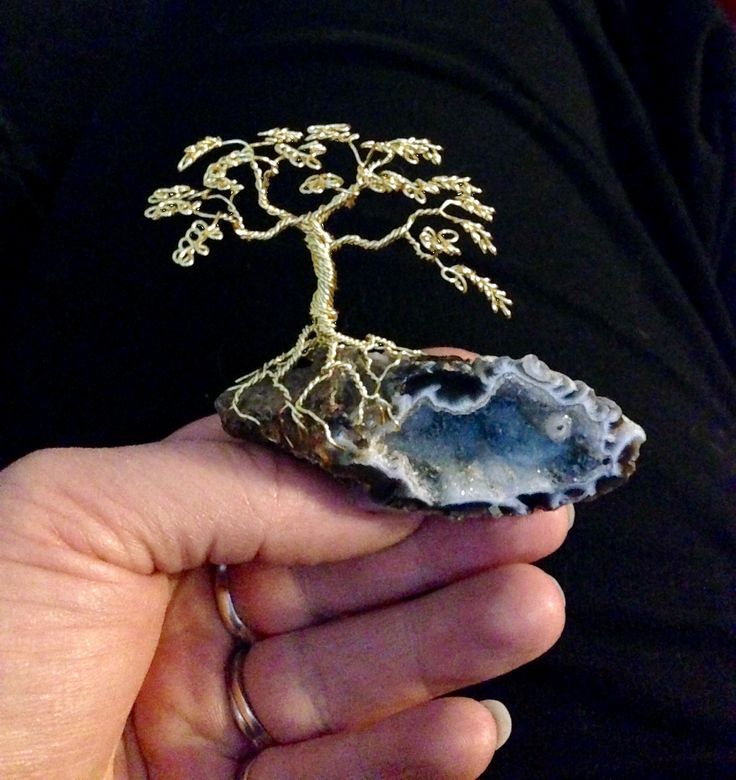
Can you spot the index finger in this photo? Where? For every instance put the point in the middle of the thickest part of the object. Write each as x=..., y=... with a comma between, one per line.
x=275, y=599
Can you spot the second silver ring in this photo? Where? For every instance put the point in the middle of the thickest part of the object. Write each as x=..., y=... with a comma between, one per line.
x=246, y=720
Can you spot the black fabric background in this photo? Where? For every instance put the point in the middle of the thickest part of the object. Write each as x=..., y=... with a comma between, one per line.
x=604, y=133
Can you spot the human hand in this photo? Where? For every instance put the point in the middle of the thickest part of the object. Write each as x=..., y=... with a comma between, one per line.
x=112, y=653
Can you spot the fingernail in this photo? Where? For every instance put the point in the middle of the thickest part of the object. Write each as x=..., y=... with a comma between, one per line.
x=570, y=516
x=503, y=720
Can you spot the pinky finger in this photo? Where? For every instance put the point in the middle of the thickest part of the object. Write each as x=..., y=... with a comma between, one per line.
x=449, y=738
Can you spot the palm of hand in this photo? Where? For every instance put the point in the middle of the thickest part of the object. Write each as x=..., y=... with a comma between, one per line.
x=108, y=551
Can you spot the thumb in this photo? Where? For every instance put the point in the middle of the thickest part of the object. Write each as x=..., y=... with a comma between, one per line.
x=197, y=497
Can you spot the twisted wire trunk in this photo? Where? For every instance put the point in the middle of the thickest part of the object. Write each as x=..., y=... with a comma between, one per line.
x=322, y=309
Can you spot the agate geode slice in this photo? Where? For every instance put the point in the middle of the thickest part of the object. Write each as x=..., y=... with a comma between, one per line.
x=493, y=435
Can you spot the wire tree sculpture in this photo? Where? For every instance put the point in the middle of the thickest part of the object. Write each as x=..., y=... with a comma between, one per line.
x=352, y=358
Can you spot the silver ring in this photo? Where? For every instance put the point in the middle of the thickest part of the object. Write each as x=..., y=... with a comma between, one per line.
x=246, y=720
x=229, y=615
x=244, y=770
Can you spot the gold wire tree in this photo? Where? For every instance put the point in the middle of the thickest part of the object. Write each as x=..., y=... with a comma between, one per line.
x=353, y=358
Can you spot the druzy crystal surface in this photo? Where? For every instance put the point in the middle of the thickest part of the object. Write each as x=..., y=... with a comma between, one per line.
x=496, y=434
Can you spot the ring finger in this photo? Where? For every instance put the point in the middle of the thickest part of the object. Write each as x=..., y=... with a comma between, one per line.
x=451, y=738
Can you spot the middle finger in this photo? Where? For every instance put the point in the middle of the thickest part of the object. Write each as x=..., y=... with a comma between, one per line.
x=358, y=669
